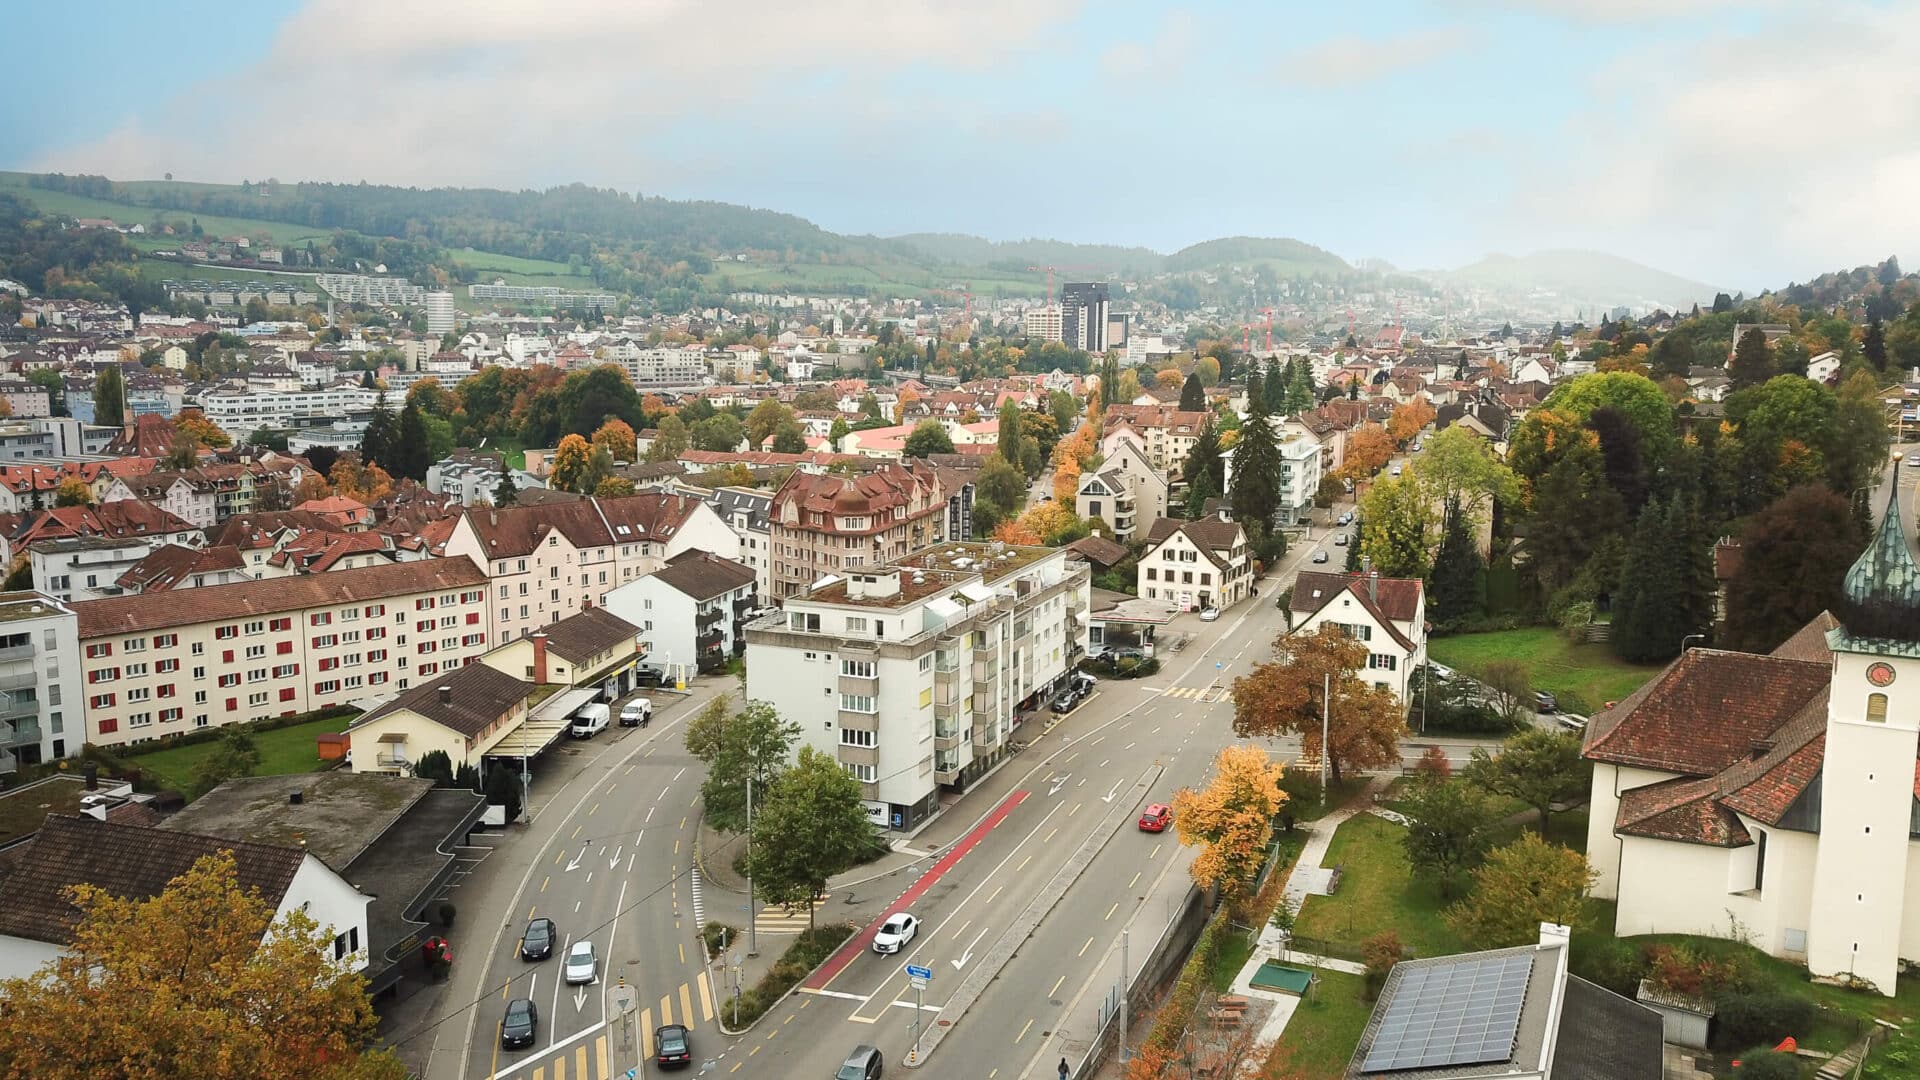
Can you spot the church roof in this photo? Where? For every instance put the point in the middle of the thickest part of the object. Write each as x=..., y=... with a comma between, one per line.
x=1880, y=596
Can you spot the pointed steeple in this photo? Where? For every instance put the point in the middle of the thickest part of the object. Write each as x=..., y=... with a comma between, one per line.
x=1882, y=589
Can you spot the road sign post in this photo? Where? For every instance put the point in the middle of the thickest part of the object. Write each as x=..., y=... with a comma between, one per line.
x=919, y=976
x=623, y=998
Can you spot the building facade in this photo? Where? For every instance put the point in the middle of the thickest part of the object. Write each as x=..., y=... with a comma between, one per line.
x=691, y=612
x=1196, y=564
x=1388, y=615
x=1083, y=315
x=39, y=680
x=826, y=524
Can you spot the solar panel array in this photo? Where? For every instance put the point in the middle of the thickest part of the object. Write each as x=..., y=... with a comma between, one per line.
x=1464, y=1013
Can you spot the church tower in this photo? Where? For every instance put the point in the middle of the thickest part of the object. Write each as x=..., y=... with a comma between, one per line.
x=1869, y=775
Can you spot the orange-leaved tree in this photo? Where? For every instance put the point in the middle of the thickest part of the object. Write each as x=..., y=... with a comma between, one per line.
x=1369, y=448
x=617, y=436
x=200, y=980
x=1231, y=819
x=1408, y=420
x=570, y=463
x=195, y=423
x=1287, y=696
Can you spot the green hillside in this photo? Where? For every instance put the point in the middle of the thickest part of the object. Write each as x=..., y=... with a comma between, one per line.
x=1287, y=257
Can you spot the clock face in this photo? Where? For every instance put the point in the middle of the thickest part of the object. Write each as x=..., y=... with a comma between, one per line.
x=1880, y=674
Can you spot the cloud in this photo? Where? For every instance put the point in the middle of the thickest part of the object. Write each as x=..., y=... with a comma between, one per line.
x=628, y=93
x=1169, y=46
x=1351, y=59
x=1620, y=11
x=1793, y=149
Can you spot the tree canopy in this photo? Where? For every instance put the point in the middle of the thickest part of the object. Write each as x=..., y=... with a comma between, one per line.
x=1231, y=819
x=1286, y=697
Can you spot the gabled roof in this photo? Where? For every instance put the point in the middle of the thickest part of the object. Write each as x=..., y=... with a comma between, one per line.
x=514, y=531
x=479, y=695
x=703, y=575
x=1705, y=711
x=133, y=614
x=131, y=861
x=579, y=638
x=1398, y=598
x=122, y=518
x=171, y=564
x=1099, y=550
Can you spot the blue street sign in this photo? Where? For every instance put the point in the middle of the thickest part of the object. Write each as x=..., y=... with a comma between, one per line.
x=915, y=971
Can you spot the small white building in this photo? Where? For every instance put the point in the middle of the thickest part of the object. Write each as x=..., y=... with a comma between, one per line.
x=1388, y=615
x=1196, y=564
x=691, y=611
x=85, y=567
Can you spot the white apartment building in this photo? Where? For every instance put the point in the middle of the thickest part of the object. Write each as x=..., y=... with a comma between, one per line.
x=440, y=313
x=1196, y=564
x=162, y=663
x=691, y=612
x=241, y=411
x=665, y=366
x=553, y=560
x=1387, y=615
x=85, y=567
x=1043, y=323
x=745, y=512
x=1300, y=464
x=911, y=674
x=361, y=289
x=39, y=680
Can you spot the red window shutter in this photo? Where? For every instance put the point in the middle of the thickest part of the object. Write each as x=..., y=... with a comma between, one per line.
x=283, y=648
x=287, y=694
x=226, y=656
x=473, y=617
x=108, y=727
x=233, y=703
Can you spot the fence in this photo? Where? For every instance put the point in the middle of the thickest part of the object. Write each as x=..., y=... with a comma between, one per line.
x=1165, y=960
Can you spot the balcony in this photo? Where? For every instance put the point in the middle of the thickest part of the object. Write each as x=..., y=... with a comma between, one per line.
x=946, y=767
x=859, y=755
x=21, y=733
x=16, y=652
x=19, y=679
x=948, y=736
x=986, y=736
x=19, y=707
x=396, y=760
x=709, y=617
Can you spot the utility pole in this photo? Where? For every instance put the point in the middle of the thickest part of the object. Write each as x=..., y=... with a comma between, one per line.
x=753, y=937
x=1326, y=711
x=1125, y=1054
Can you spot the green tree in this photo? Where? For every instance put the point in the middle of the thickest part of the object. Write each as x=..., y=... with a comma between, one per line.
x=377, y=442
x=1535, y=767
x=1793, y=555
x=670, y=440
x=1450, y=824
x=1458, y=468
x=1198, y=492
x=1638, y=397
x=1573, y=509
x=1109, y=380
x=1517, y=888
x=1752, y=360
x=790, y=438
x=1457, y=573
x=810, y=825
x=507, y=492
x=436, y=766
x=928, y=438
x=1858, y=439
x=719, y=432
x=1257, y=465
x=1873, y=344
x=1066, y=411
x=1396, y=525
x=110, y=397
x=836, y=433
x=748, y=746
x=1206, y=457
x=412, y=450
x=235, y=755
x=504, y=788
x=870, y=407
x=1193, y=396
x=765, y=420
x=999, y=494
x=1651, y=611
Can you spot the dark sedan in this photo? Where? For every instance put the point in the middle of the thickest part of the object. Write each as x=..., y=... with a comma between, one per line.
x=520, y=1025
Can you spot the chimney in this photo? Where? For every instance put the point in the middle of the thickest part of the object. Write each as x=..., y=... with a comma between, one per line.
x=92, y=773
x=1373, y=587
x=295, y=798
x=540, y=659
x=446, y=695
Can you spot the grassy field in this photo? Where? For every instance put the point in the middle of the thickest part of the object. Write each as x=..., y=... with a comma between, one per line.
x=1585, y=676
x=510, y=266
x=1326, y=1026
x=60, y=202
x=1378, y=892
x=282, y=751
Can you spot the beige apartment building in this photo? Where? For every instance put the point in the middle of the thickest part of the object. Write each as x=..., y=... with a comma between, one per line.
x=553, y=560
x=825, y=524
x=166, y=663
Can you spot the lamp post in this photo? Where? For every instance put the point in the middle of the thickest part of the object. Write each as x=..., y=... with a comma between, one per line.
x=1690, y=637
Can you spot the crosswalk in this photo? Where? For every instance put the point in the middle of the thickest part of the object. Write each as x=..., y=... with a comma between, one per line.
x=774, y=919
x=1197, y=693
x=594, y=1059
x=665, y=1012
x=610, y=1053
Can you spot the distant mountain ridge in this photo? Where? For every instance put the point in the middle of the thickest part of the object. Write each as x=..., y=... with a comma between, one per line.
x=1590, y=277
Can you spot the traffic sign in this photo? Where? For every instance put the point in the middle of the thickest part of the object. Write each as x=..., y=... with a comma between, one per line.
x=623, y=999
x=915, y=971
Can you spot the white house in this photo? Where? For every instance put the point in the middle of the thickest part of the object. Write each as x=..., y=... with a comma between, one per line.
x=1389, y=615
x=1777, y=797
x=690, y=611
x=1127, y=491
x=1196, y=564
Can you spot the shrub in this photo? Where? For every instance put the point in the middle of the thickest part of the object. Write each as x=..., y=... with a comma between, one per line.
x=718, y=935
x=1381, y=952
x=805, y=954
x=1691, y=970
x=1764, y=1063
x=1763, y=1018
x=1610, y=962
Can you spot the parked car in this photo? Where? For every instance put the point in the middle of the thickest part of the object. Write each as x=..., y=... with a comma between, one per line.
x=1544, y=701
x=1320, y=555
x=1082, y=682
x=590, y=720
x=895, y=932
x=1065, y=700
x=649, y=675
x=520, y=1024
x=1124, y=652
x=582, y=965
x=537, y=942
x=1440, y=672
x=671, y=1047
x=1156, y=818
x=1396, y=469
x=1211, y=614
x=1341, y=540
x=636, y=712
x=1346, y=518
x=862, y=1064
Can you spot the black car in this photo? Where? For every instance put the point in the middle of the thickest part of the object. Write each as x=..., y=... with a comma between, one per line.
x=671, y=1047
x=1082, y=683
x=1544, y=701
x=519, y=1026
x=862, y=1064
x=1065, y=700
x=649, y=675
x=537, y=942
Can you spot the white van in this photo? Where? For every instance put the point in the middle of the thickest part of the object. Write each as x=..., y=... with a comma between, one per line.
x=590, y=720
x=636, y=712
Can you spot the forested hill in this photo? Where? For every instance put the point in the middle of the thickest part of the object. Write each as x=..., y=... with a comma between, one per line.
x=1020, y=254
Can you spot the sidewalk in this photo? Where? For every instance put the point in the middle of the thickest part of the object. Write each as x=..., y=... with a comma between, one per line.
x=429, y=1024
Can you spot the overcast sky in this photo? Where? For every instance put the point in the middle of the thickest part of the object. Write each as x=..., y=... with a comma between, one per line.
x=1743, y=143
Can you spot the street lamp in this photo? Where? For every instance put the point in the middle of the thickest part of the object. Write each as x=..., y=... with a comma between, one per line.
x=1689, y=637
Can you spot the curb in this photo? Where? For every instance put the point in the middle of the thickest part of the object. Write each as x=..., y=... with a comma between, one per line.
x=775, y=1004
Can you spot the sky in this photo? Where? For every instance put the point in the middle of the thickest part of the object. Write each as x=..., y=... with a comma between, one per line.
x=1745, y=143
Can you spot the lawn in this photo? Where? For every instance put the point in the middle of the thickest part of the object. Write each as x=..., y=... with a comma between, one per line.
x=1584, y=676
x=282, y=751
x=79, y=206
x=1377, y=892
x=1326, y=1026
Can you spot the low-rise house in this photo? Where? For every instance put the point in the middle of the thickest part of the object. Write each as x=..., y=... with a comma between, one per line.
x=1196, y=564
x=1388, y=615
x=691, y=611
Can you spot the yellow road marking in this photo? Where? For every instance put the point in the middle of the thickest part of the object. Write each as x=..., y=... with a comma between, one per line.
x=1023, y=864
x=1135, y=881
x=683, y=823
x=1050, y=833
x=543, y=883
x=683, y=952
x=1098, y=741
x=1084, y=948
x=686, y=1005
x=1155, y=853
x=737, y=1064
x=1023, y=1032
x=649, y=752
x=504, y=987
x=996, y=892
x=600, y=1055
x=592, y=808
x=646, y=1033
x=752, y=1050
x=531, y=910
x=630, y=769
x=1110, y=911
x=576, y=832
x=580, y=1061
x=666, y=1008
x=706, y=998
x=1075, y=810
x=676, y=846
x=560, y=1068
x=1056, y=986
x=558, y=856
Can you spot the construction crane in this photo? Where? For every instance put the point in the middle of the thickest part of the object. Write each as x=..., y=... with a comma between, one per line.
x=1051, y=269
x=1269, y=314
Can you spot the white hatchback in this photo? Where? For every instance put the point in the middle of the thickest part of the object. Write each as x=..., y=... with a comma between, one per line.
x=582, y=965
x=895, y=932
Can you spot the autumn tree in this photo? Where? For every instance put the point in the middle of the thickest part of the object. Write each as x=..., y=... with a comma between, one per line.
x=183, y=452
x=1167, y=378
x=1793, y=555
x=201, y=980
x=72, y=491
x=617, y=437
x=1517, y=888
x=194, y=423
x=765, y=420
x=809, y=825
x=1369, y=448
x=570, y=463
x=362, y=483
x=1286, y=697
x=1535, y=767
x=613, y=487
x=1459, y=468
x=1752, y=360
x=1396, y=527
x=1231, y=819
x=1509, y=687
x=1408, y=420
x=670, y=440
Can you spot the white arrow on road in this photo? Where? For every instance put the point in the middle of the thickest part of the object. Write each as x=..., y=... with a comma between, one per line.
x=1060, y=782
x=1108, y=797
x=968, y=954
x=575, y=862
x=615, y=861
x=579, y=999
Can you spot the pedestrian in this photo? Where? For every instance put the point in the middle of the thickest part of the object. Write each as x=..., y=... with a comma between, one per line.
x=1063, y=1069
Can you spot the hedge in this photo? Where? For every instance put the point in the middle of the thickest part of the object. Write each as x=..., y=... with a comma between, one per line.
x=807, y=952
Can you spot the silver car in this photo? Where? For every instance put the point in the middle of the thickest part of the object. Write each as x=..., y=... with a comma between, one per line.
x=582, y=965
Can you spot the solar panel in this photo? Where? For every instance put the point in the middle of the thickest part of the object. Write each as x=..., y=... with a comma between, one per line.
x=1463, y=1013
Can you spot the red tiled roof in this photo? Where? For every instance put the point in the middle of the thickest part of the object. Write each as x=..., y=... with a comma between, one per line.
x=121, y=518
x=1399, y=598
x=1683, y=810
x=212, y=603
x=1705, y=711
x=875, y=494
x=1810, y=641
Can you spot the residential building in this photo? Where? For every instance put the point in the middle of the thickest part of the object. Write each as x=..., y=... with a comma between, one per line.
x=1167, y=433
x=928, y=659
x=545, y=296
x=1043, y=323
x=691, y=611
x=85, y=567
x=176, y=566
x=827, y=524
x=1083, y=315
x=555, y=559
x=210, y=494
x=240, y=412
x=745, y=512
x=39, y=680
x=1300, y=464
x=1196, y=564
x=161, y=663
x=1773, y=796
x=595, y=650
x=136, y=862
x=440, y=313
x=1127, y=491
x=26, y=400
x=1388, y=615
x=53, y=437
x=361, y=289
x=1514, y=1013
x=474, y=477
x=123, y=520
